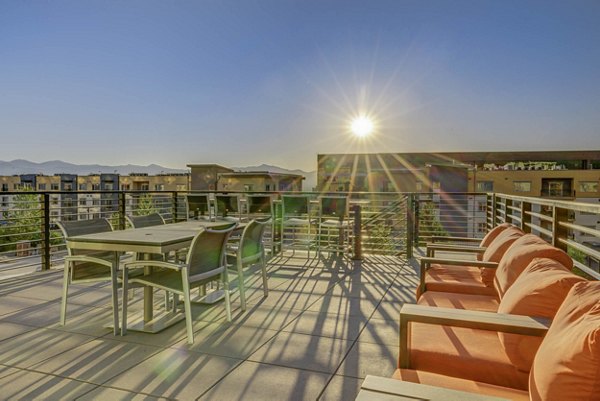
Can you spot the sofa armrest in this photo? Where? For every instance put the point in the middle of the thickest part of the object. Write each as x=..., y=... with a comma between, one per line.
x=445, y=238
x=427, y=261
x=515, y=324
x=431, y=248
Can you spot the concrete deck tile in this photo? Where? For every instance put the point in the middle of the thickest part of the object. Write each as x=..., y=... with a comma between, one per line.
x=175, y=373
x=113, y=394
x=327, y=325
x=96, y=361
x=379, y=331
x=256, y=381
x=343, y=305
x=341, y=388
x=370, y=359
x=37, y=345
x=301, y=351
x=233, y=341
x=27, y=385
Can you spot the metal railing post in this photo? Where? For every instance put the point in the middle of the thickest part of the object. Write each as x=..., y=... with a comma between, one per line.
x=357, y=253
x=494, y=211
x=122, y=210
x=508, y=212
x=45, y=229
x=525, y=216
x=174, y=207
x=410, y=225
x=417, y=219
x=559, y=215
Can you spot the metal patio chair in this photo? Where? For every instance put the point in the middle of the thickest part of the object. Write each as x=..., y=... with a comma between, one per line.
x=333, y=216
x=205, y=263
x=247, y=252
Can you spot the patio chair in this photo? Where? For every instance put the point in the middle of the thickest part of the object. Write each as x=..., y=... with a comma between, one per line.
x=228, y=207
x=565, y=366
x=197, y=206
x=83, y=266
x=295, y=216
x=149, y=220
x=247, y=252
x=333, y=215
x=205, y=263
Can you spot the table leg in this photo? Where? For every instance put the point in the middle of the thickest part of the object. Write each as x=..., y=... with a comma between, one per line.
x=148, y=294
x=115, y=296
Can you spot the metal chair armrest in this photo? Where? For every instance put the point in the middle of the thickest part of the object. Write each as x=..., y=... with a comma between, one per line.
x=153, y=263
x=89, y=259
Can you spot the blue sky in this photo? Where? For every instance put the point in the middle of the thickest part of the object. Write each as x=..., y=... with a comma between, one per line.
x=250, y=82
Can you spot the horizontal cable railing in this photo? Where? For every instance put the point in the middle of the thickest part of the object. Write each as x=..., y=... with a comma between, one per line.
x=389, y=222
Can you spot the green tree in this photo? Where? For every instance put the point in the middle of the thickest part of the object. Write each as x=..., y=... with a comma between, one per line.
x=145, y=206
x=429, y=223
x=23, y=222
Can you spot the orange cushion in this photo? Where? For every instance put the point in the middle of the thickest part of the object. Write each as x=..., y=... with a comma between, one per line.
x=488, y=303
x=538, y=291
x=454, y=383
x=501, y=243
x=520, y=254
x=491, y=235
x=466, y=353
x=460, y=279
x=567, y=364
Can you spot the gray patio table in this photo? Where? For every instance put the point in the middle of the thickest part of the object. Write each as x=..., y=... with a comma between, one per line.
x=156, y=239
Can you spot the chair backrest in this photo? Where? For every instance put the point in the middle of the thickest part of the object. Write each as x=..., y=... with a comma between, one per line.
x=196, y=205
x=251, y=243
x=207, y=251
x=83, y=227
x=334, y=206
x=149, y=220
x=227, y=205
x=294, y=205
x=259, y=204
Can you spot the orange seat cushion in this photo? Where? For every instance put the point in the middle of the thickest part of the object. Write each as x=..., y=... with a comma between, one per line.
x=567, y=364
x=466, y=353
x=488, y=303
x=459, y=279
x=520, y=254
x=454, y=383
x=538, y=291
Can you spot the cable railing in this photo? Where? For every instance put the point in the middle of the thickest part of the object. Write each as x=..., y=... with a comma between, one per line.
x=383, y=222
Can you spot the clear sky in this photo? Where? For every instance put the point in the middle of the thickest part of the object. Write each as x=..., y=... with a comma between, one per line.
x=251, y=82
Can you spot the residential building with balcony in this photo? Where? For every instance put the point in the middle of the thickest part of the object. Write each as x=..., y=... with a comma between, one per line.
x=210, y=177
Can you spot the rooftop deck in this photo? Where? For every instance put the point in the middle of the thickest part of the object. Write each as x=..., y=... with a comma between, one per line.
x=325, y=325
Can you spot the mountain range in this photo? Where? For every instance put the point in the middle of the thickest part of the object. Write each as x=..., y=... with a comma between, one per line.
x=19, y=166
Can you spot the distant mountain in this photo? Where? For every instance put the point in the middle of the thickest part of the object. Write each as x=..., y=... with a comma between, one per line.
x=57, y=167
x=309, y=183
x=19, y=166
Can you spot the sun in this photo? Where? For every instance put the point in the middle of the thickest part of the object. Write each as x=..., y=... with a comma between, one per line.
x=361, y=126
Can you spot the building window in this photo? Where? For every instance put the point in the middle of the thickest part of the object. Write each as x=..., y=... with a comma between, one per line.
x=125, y=187
x=54, y=187
x=419, y=186
x=5, y=187
x=95, y=187
x=159, y=187
x=181, y=187
x=588, y=186
x=82, y=201
x=482, y=206
x=248, y=187
x=481, y=227
x=267, y=187
x=42, y=187
x=68, y=186
x=109, y=186
x=145, y=187
x=522, y=186
x=485, y=186
x=83, y=187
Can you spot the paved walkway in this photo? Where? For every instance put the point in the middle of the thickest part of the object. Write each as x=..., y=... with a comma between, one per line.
x=324, y=326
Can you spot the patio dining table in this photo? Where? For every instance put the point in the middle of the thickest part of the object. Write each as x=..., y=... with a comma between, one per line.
x=160, y=239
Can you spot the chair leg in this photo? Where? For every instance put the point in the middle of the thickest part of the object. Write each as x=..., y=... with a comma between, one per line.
x=225, y=279
x=115, y=294
x=263, y=268
x=125, y=302
x=63, y=306
x=187, y=303
x=241, y=286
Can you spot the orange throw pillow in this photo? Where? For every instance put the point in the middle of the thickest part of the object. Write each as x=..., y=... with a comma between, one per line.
x=567, y=364
x=538, y=291
x=520, y=254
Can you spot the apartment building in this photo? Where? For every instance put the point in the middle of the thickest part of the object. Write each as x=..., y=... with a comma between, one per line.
x=569, y=175
x=210, y=177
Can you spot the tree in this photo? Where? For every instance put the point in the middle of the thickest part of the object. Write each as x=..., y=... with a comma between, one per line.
x=145, y=206
x=429, y=223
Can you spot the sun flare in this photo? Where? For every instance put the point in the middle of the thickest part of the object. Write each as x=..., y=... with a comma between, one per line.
x=361, y=126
